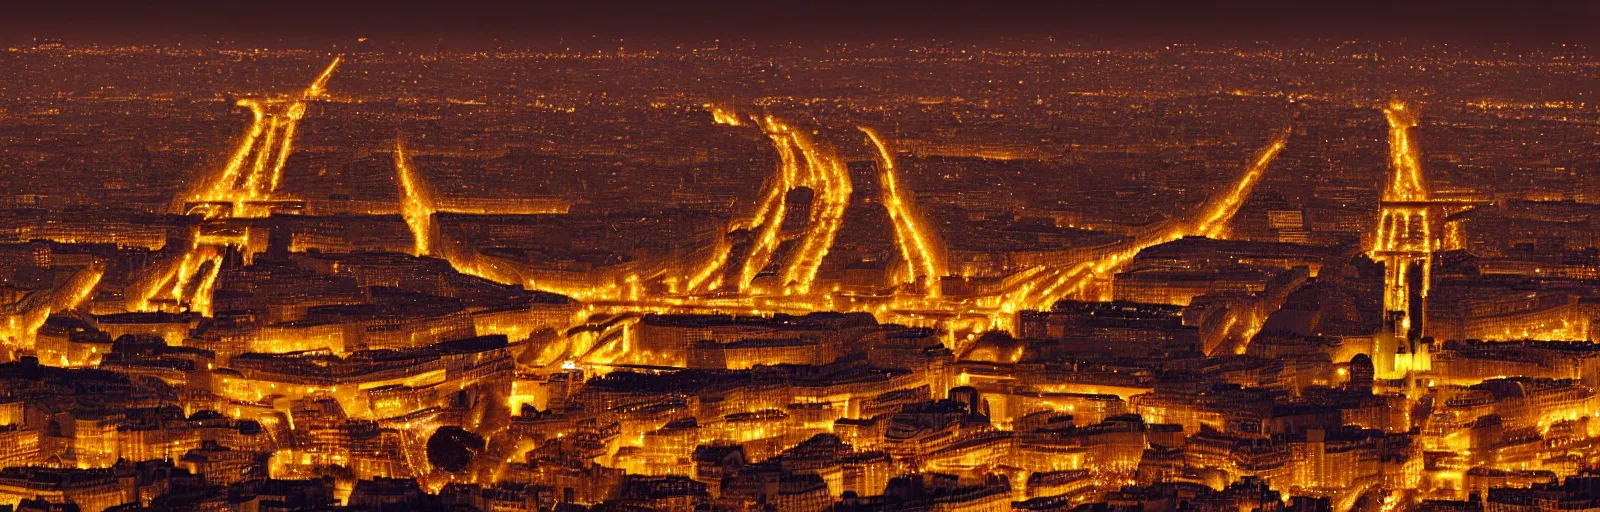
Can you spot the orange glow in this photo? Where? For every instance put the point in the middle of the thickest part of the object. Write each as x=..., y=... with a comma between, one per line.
x=271, y=139
x=1404, y=236
x=1042, y=287
x=1217, y=217
x=416, y=202
x=321, y=82
x=1406, y=182
x=830, y=182
x=769, y=217
x=208, y=284
x=225, y=181
x=20, y=321
x=724, y=116
x=914, y=243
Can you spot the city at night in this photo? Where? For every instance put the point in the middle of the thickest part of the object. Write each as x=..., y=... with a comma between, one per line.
x=831, y=256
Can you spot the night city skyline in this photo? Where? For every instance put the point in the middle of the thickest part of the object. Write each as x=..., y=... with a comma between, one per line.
x=901, y=256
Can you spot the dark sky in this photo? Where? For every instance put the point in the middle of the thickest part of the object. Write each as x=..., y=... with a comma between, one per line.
x=268, y=21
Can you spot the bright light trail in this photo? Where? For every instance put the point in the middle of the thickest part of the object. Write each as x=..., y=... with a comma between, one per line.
x=830, y=182
x=1406, y=183
x=416, y=202
x=1217, y=217
x=1043, y=290
x=915, y=245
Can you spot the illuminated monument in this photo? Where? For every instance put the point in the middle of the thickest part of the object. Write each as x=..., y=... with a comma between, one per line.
x=1407, y=235
x=245, y=187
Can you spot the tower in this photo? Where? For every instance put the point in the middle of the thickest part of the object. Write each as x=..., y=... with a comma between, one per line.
x=1405, y=237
